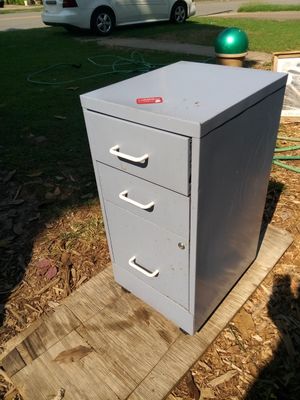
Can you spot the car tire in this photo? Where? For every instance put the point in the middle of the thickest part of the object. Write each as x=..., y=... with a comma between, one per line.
x=179, y=13
x=103, y=21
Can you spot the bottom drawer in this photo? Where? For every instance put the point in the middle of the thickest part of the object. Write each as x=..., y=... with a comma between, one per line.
x=156, y=256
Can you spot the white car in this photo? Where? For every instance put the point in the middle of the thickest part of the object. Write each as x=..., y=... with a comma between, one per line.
x=101, y=16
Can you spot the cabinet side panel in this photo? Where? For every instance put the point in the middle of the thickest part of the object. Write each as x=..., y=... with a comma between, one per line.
x=101, y=198
x=235, y=163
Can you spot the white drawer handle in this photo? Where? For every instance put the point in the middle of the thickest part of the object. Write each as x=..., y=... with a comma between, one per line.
x=123, y=196
x=115, y=151
x=132, y=263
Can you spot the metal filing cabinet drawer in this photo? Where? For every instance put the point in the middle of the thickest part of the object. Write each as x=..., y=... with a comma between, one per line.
x=155, y=154
x=150, y=253
x=183, y=223
x=151, y=202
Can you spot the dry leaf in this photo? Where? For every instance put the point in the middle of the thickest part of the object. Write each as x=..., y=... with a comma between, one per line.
x=60, y=117
x=73, y=88
x=244, y=322
x=46, y=267
x=223, y=378
x=43, y=266
x=51, y=272
x=72, y=355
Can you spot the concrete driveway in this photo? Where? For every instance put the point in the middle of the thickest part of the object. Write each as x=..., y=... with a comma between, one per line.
x=20, y=20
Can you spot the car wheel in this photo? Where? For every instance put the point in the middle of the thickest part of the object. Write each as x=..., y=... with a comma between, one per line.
x=103, y=22
x=179, y=13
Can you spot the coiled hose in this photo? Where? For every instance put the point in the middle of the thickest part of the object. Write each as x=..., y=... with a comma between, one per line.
x=277, y=159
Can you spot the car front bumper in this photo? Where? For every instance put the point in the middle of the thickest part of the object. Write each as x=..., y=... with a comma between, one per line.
x=192, y=9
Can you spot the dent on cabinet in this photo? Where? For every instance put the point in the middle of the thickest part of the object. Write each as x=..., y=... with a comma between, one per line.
x=182, y=177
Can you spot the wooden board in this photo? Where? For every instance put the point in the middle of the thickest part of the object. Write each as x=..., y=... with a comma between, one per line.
x=104, y=343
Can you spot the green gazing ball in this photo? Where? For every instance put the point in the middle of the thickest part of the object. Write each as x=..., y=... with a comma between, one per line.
x=231, y=41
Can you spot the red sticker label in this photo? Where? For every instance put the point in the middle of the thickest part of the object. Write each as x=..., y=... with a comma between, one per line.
x=149, y=100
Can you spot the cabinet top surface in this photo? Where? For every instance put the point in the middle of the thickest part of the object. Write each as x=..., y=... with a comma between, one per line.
x=195, y=97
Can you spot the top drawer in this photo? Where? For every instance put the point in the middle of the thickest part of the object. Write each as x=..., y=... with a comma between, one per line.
x=148, y=153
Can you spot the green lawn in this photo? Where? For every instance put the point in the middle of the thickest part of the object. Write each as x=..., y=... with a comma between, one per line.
x=268, y=7
x=264, y=35
x=42, y=127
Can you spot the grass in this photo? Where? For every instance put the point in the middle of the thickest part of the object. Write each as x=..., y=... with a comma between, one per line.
x=259, y=7
x=42, y=128
x=264, y=35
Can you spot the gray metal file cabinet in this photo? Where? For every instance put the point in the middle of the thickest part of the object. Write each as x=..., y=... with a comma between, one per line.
x=182, y=157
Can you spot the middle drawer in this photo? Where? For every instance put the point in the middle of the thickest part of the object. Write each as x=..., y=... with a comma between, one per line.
x=160, y=206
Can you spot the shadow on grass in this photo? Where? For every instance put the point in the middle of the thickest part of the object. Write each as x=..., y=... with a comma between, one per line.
x=45, y=163
x=280, y=378
x=189, y=32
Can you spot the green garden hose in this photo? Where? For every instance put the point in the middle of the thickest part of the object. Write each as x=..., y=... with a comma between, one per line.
x=135, y=63
x=276, y=158
x=279, y=149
